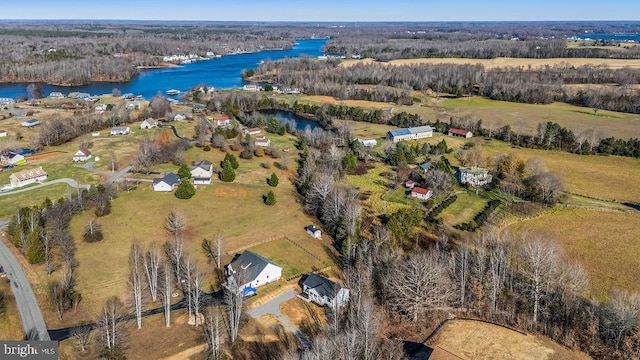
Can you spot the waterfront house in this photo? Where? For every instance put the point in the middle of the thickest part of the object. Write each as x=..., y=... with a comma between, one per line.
x=56, y=95
x=26, y=177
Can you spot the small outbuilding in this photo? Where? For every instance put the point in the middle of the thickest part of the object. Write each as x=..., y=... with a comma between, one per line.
x=120, y=130
x=421, y=193
x=30, y=123
x=460, y=133
x=313, y=231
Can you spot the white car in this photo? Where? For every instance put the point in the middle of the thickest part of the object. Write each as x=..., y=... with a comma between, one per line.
x=6, y=188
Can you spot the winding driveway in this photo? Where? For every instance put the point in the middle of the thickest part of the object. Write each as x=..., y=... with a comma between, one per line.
x=32, y=320
x=67, y=181
x=273, y=307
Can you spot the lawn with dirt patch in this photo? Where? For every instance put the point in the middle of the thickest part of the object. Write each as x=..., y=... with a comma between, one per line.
x=482, y=341
x=605, y=243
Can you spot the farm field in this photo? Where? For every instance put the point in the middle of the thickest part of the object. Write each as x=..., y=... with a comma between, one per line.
x=507, y=62
x=481, y=341
x=603, y=242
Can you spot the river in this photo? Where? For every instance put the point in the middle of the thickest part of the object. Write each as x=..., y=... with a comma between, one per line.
x=222, y=72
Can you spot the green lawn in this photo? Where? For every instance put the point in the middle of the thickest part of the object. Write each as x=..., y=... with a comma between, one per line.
x=9, y=204
x=293, y=259
x=466, y=206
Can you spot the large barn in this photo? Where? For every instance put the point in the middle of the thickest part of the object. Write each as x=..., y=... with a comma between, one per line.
x=419, y=132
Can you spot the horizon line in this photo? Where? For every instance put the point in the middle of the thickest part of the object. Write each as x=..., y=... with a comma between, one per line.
x=331, y=21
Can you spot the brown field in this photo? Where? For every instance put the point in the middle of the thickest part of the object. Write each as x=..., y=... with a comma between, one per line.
x=509, y=62
x=354, y=103
x=479, y=341
x=299, y=312
x=603, y=242
x=10, y=322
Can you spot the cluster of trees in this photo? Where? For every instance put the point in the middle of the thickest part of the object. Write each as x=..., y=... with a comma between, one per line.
x=160, y=150
x=42, y=235
x=58, y=130
x=185, y=190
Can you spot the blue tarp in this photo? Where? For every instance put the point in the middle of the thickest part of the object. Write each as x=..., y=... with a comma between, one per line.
x=249, y=291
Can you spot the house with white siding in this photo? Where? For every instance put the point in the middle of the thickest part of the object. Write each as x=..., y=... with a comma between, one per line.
x=82, y=155
x=201, y=172
x=26, y=177
x=250, y=270
x=325, y=292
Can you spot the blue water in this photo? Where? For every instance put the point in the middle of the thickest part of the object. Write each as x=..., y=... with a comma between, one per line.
x=605, y=36
x=285, y=116
x=223, y=72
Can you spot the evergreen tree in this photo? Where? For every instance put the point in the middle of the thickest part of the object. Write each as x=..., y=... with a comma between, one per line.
x=232, y=160
x=184, y=172
x=35, y=248
x=227, y=174
x=273, y=181
x=185, y=190
x=349, y=161
x=270, y=199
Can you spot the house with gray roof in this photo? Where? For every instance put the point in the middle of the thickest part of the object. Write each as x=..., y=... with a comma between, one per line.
x=325, y=292
x=201, y=172
x=414, y=133
x=166, y=183
x=250, y=270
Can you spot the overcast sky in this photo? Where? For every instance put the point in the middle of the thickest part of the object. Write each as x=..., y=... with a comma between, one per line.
x=323, y=10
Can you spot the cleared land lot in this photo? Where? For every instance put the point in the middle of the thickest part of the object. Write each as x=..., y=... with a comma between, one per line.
x=479, y=341
x=508, y=62
x=605, y=243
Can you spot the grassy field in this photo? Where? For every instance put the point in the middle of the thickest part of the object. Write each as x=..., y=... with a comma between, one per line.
x=603, y=242
x=373, y=186
x=9, y=204
x=509, y=62
x=292, y=258
x=481, y=341
x=466, y=206
x=10, y=323
x=234, y=209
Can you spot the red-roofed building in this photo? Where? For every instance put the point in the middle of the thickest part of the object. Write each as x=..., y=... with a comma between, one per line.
x=420, y=193
x=459, y=132
x=221, y=120
x=409, y=184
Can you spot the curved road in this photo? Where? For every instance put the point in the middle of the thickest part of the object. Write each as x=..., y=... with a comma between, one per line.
x=32, y=320
x=67, y=181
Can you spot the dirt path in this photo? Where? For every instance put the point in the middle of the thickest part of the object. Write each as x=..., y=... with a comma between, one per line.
x=186, y=354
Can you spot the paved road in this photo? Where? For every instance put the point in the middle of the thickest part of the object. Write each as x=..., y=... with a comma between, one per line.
x=67, y=181
x=273, y=307
x=32, y=320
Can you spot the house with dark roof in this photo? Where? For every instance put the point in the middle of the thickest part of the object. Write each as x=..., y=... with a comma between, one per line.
x=201, y=172
x=250, y=270
x=415, y=133
x=30, y=123
x=459, y=132
x=166, y=183
x=83, y=154
x=325, y=292
x=426, y=166
x=313, y=231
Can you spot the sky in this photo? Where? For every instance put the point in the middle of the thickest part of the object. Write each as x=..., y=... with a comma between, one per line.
x=323, y=10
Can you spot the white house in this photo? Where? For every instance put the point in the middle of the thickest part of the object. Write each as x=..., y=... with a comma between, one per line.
x=459, y=132
x=420, y=193
x=368, y=142
x=250, y=270
x=6, y=101
x=82, y=155
x=12, y=158
x=120, y=130
x=262, y=141
x=26, y=177
x=149, y=123
x=252, y=131
x=475, y=176
x=101, y=108
x=415, y=133
x=325, y=292
x=30, y=123
x=201, y=172
x=56, y=95
x=133, y=105
x=251, y=87
x=166, y=183
x=313, y=231
x=221, y=120
x=3, y=133
x=409, y=184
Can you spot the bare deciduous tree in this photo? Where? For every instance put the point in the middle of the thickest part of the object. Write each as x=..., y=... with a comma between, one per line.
x=110, y=324
x=539, y=261
x=151, y=269
x=82, y=336
x=135, y=280
x=212, y=330
x=234, y=299
x=167, y=292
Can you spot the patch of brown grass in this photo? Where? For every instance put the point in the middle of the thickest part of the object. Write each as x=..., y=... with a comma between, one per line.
x=603, y=242
x=478, y=340
x=10, y=323
x=300, y=312
x=354, y=103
